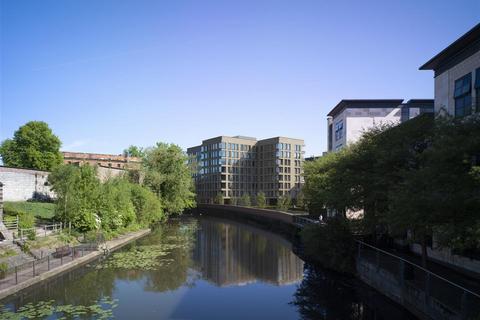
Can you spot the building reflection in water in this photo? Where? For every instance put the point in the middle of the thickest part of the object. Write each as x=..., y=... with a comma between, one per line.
x=229, y=253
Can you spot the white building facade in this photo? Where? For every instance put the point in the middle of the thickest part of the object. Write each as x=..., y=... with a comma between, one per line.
x=457, y=76
x=349, y=119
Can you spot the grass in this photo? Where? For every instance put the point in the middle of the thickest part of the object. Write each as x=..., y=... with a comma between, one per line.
x=42, y=210
x=4, y=253
x=53, y=241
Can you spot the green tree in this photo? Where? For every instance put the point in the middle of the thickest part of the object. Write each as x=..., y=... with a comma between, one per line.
x=148, y=207
x=134, y=151
x=245, y=200
x=78, y=195
x=168, y=176
x=33, y=146
x=261, y=200
x=218, y=198
x=284, y=202
x=300, y=200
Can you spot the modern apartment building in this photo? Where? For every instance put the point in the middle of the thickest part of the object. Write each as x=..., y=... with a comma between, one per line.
x=234, y=166
x=347, y=121
x=457, y=76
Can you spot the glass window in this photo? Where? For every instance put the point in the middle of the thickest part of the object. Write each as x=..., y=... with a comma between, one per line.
x=463, y=96
x=339, y=130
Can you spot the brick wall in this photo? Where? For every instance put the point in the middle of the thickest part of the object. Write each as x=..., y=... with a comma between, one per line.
x=23, y=184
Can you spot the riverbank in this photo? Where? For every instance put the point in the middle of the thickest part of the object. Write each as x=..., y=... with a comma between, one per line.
x=35, y=275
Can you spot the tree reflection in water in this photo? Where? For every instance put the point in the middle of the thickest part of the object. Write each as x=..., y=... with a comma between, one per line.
x=327, y=295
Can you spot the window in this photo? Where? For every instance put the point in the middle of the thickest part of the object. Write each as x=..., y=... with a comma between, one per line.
x=463, y=96
x=405, y=114
x=477, y=89
x=338, y=130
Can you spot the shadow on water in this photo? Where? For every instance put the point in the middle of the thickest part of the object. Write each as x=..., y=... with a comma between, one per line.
x=209, y=268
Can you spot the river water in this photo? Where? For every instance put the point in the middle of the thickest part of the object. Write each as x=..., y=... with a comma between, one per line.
x=202, y=268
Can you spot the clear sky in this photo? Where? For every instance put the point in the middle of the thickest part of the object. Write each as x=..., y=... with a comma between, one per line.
x=105, y=74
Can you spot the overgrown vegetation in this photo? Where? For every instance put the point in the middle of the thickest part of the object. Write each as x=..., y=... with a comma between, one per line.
x=331, y=245
x=420, y=177
x=42, y=210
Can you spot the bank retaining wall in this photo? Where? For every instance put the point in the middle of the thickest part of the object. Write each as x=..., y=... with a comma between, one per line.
x=24, y=184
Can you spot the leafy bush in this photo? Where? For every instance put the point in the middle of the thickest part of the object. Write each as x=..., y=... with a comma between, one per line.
x=261, y=200
x=331, y=245
x=245, y=200
x=148, y=207
x=3, y=269
x=284, y=202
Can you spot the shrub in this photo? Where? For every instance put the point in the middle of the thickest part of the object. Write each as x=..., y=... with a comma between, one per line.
x=3, y=269
x=148, y=207
x=284, y=202
x=331, y=245
x=261, y=200
x=245, y=200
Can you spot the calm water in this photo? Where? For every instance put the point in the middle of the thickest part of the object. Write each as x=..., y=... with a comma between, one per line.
x=203, y=268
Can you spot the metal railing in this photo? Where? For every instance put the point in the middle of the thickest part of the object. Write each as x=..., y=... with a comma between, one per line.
x=23, y=272
x=10, y=224
x=303, y=221
x=415, y=286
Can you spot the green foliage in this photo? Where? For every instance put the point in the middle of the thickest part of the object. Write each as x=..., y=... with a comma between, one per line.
x=134, y=151
x=168, y=176
x=148, y=207
x=218, y=198
x=300, y=200
x=33, y=146
x=261, y=200
x=331, y=245
x=116, y=209
x=420, y=176
x=284, y=202
x=78, y=195
x=4, y=253
x=245, y=200
x=38, y=209
x=3, y=271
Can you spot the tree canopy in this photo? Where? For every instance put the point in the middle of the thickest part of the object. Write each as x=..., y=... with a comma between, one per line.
x=420, y=177
x=168, y=176
x=33, y=146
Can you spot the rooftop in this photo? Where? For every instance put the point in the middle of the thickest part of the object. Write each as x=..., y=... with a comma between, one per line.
x=363, y=103
x=460, y=49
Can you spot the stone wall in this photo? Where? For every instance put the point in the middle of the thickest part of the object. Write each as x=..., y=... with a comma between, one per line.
x=24, y=184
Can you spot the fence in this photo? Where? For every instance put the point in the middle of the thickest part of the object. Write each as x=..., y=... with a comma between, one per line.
x=21, y=273
x=40, y=231
x=414, y=286
x=302, y=221
x=11, y=224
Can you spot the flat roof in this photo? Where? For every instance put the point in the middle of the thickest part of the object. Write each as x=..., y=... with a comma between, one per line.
x=363, y=103
x=458, y=49
x=420, y=101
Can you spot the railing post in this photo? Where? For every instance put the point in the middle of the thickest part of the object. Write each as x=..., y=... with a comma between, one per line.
x=16, y=275
x=45, y=230
x=61, y=260
x=48, y=262
x=464, y=306
x=401, y=270
x=33, y=267
x=427, y=291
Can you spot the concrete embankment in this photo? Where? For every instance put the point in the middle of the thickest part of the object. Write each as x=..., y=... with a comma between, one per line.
x=111, y=245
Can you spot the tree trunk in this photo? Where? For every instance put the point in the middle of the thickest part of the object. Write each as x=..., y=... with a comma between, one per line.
x=424, y=252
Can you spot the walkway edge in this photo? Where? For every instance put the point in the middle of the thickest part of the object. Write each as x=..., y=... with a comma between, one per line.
x=111, y=244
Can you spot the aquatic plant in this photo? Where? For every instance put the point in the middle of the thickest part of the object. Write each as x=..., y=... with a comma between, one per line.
x=102, y=309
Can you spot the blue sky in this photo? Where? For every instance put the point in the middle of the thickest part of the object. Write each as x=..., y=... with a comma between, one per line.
x=105, y=74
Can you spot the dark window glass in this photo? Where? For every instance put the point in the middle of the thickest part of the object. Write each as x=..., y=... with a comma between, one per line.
x=463, y=96
x=463, y=85
x=477, y=79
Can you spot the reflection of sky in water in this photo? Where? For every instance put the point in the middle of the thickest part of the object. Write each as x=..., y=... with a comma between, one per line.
x=220, y=270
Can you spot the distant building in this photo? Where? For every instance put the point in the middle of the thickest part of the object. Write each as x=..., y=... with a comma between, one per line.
x=108, y=165
x=349, y=119
x=457, y=75
x=103, y=160
x=234, y=166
